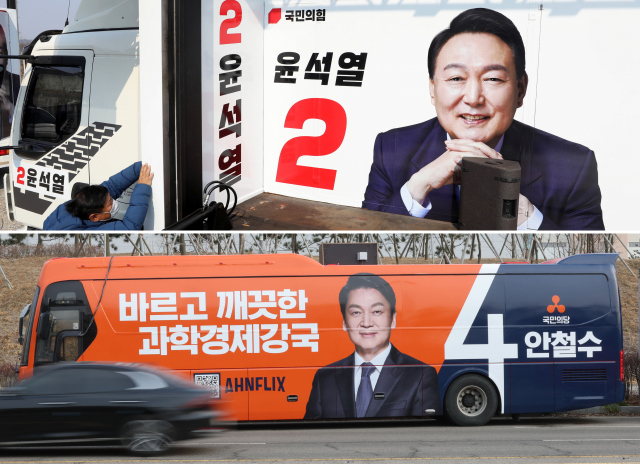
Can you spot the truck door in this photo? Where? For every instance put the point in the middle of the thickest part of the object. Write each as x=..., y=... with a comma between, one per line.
x=115, y=119
x=52, y=125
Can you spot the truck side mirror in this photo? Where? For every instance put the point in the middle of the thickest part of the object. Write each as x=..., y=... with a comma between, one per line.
x=44, y=325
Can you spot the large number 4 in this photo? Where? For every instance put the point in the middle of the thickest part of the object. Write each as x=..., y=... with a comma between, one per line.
x=495, y=351
x=335, y=118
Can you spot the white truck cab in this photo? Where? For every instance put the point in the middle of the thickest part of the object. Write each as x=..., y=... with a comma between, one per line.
x=77, y=116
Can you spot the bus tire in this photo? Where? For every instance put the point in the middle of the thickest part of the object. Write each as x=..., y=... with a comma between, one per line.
x=471, y=400
x=147, y=437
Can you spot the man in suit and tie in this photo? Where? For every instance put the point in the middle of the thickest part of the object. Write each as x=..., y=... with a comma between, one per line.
x=477, y=81
x=376, y=380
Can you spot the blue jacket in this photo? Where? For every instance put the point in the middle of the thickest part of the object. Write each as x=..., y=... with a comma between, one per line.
x=133, y=219
x=559, y=177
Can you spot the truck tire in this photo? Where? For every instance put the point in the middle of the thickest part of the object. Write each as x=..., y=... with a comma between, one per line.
x=471, y=400
x=147, y=437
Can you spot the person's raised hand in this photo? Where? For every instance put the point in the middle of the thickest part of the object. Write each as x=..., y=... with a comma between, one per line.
x=146, y=176
x=445, y=169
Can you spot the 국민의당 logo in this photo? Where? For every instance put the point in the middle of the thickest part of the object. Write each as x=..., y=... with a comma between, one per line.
x=555, y=305
x=552, y=308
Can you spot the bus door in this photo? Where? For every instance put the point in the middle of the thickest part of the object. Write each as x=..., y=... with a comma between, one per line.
x=562, y=325
x=51, y=129
x=585, y=360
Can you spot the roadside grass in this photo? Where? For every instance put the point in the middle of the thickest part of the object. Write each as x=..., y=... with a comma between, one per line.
x=8, y=376
x=612, y=408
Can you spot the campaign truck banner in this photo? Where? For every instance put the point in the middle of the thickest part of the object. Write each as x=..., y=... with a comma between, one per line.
x=232, y=116
x=349, y=342
x=352, y=112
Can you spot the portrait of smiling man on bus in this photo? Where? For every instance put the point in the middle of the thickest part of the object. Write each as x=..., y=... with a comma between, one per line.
x=376, y=380
x=477, y=81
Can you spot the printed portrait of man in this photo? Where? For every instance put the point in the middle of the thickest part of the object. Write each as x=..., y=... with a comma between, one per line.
x=477, y=81
x=376, y=380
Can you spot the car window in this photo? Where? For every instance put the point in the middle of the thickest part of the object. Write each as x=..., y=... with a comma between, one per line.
x=79, y=381
x=60, y=381
x=145, y=380
x=103, y=380
x=53, y=104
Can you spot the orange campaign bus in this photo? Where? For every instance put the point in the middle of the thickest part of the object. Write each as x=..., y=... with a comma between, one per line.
x=281, y=337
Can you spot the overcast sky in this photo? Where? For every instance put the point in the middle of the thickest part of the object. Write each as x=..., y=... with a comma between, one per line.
x=35, y=16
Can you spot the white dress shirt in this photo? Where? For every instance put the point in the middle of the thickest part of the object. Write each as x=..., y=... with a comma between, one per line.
x=378, y=363
x=417, y=210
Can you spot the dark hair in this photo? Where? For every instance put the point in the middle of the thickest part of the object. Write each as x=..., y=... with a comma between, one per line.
x=366, y=280
x=88, y=200
x=480, y=20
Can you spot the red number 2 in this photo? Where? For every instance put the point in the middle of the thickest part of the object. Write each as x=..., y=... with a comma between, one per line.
x=20, y=179
x=334, y=116
x=231, y=23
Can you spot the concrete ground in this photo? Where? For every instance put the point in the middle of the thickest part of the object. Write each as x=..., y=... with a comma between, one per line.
x=576, y=439
x=5, y=223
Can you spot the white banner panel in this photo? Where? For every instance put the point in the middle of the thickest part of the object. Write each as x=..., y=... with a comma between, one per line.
x=324, y=102
x=232, y=36
x=350, y=103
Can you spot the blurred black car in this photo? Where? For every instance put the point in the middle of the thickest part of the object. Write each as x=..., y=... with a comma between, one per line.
x=84, y=403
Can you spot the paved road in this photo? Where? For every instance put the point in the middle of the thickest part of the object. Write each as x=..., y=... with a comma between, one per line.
x=536, y=440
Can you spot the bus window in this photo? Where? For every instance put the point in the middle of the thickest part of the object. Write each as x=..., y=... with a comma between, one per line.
x=53, y=104
x=27, y=326
x=68, y=349
x=64, y=314
x=57, y=321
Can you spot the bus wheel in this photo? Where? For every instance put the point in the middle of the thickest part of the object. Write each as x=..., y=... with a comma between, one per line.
x=147, y=437
x=471, y=400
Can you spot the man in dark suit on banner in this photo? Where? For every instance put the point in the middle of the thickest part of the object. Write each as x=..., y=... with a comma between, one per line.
x=477, y=82
x=376, y=380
